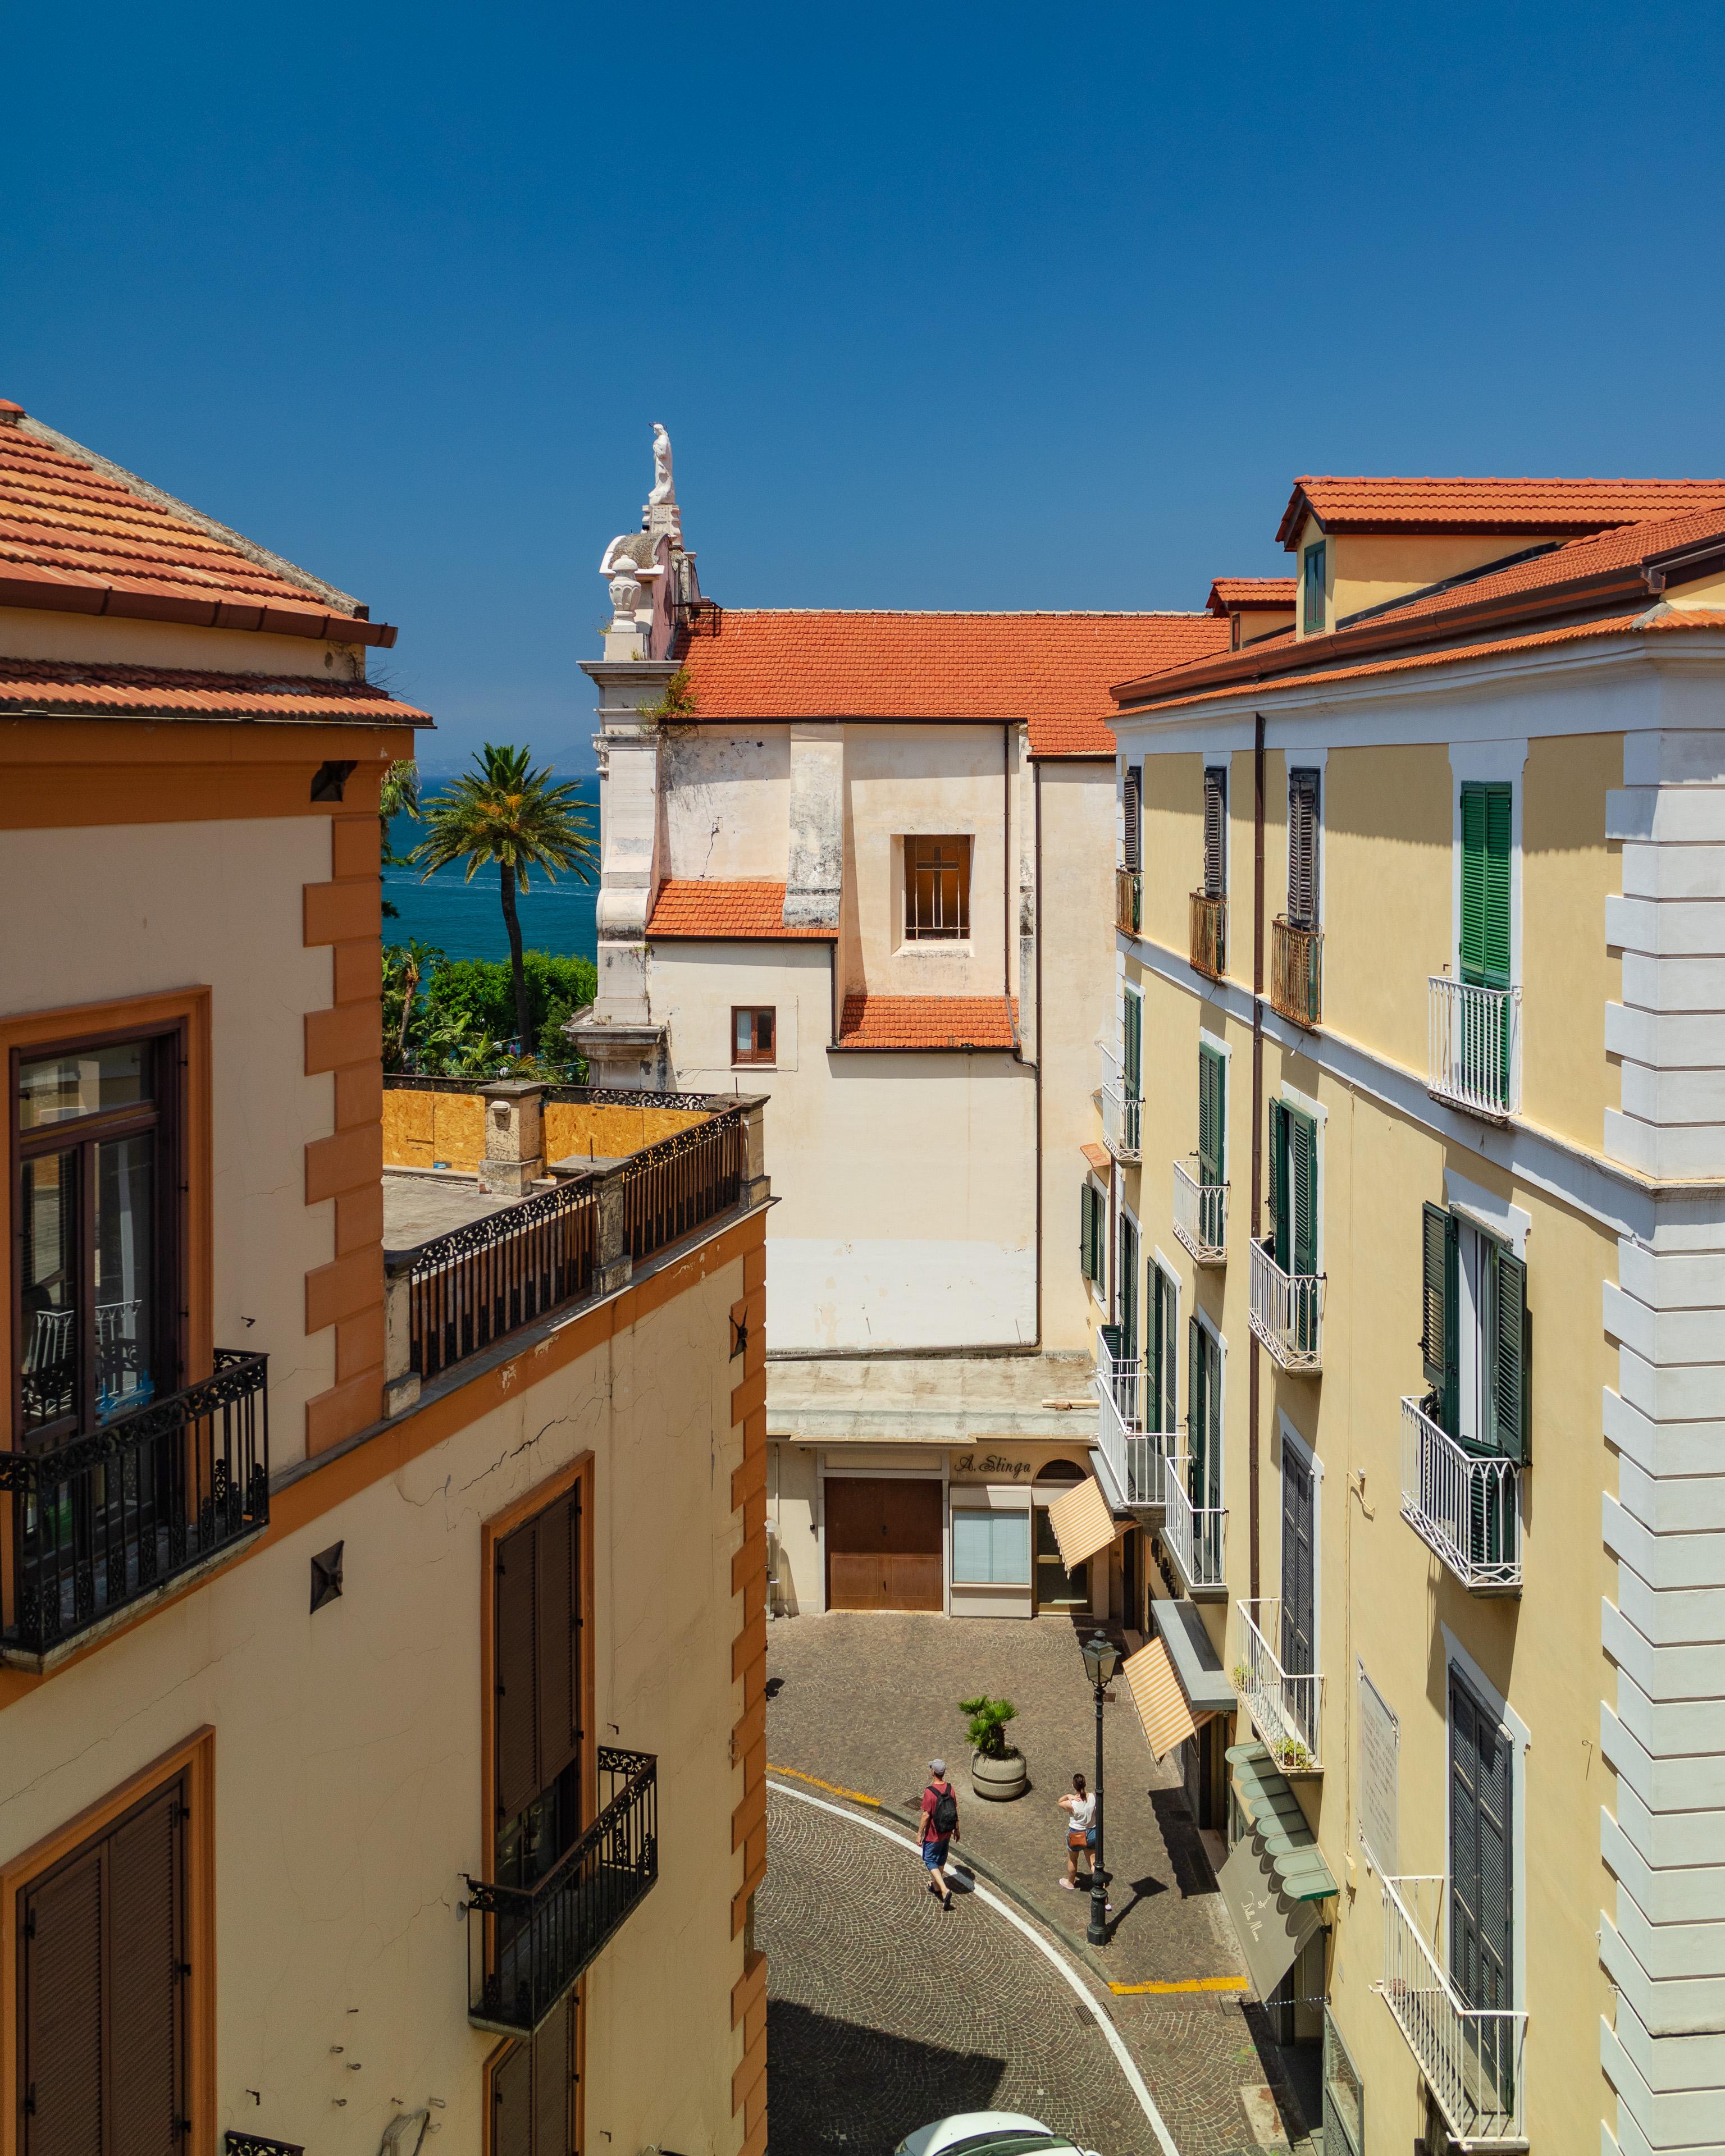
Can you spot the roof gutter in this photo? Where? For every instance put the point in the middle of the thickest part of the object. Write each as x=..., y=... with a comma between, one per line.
x=19, y=587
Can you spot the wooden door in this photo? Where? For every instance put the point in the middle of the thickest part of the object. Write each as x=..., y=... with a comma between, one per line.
x=883, y=1544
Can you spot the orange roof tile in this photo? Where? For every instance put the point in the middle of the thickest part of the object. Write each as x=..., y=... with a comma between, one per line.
x=1246, y=595
x=54, y=688
x=1362, y=504
x=918, y=1022
x=1097, y=1157
x=1051, y=669
x=79, y=534
x=725, y=913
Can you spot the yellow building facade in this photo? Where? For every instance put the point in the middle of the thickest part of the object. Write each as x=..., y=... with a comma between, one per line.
x=1418, y=1224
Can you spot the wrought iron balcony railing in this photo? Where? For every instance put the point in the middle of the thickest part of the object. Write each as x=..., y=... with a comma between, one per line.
x=1286, y=1311
x=1200, y=1213
x=1122, y=1111
x=1297, y=971
x=1208, y=950
x=104, y=1520
x=1128, y=900
x=1476, y=1047
x=526, y=1947
x=1195, y=1534
x=1464, y=1506
x=1138, y=1455
x=1471, y=2057
x=1287, y=1705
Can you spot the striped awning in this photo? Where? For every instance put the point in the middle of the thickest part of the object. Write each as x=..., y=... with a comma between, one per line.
x=1081, y=1522
x=1156, y=1695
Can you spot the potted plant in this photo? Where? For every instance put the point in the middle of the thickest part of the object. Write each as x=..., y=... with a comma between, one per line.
x=997, y=1771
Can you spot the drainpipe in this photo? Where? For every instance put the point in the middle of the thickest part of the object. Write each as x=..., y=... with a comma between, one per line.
x=1252, y=1377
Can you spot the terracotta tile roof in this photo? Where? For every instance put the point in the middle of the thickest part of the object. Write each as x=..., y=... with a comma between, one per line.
x=1097, y=1157
x=79, y=534
x=1052, y=670
x=1362, y=504
x=1649, y=622
x=54, y=688
x=913, y=1022
x=1243, y=593
x=725, y=913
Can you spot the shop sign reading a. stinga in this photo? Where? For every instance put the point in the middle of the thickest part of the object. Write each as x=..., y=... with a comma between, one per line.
x=992, y=1467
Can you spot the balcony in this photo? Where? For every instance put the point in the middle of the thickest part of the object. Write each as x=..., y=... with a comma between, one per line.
x=1210, y=935
x=1121, y=1111
x=1297, y=971
x=526, y=1947
x=1464, y=1507
x=1286, y=1312
x=103, y=1521
x=1195, y=1534
x=1288, y=1708
x=1472, y=2056
x=1200, y=1215
x=1138, y=1456
x=1128, y=900
x=1475, y=1044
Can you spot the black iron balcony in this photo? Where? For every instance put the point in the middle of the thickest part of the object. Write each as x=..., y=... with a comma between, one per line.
x=527, y=1946
x=105, y=1520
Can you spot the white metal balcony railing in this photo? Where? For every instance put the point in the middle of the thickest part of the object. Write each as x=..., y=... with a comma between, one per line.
x=1476, y=1047
x=1287, y=1707
x=1121, y=1111
x=1465, y=1508
x=1195, y=1534
x=1472, y=2056
x=1138, y=1455
x=1286, y=1311
x=1200, y=1213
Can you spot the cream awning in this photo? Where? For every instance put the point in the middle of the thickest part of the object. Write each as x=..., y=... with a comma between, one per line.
x=1156, y=1695
x=1082, y=1523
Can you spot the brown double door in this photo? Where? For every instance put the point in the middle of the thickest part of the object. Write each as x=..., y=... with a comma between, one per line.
x=883, y=1544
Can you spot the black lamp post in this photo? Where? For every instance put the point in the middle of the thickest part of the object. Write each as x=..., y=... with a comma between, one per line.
x=1102, y=1658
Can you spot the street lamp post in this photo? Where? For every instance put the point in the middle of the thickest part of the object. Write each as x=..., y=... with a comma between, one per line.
x=1102, y=1658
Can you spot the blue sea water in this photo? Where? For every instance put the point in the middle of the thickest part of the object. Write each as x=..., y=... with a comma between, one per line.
x=465, y=920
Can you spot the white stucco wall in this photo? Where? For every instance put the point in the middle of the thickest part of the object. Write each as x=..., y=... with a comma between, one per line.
x=726, y=796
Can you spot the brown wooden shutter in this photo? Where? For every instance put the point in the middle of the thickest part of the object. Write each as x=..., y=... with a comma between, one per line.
x=1216, y=831
x=519, y=1780
x=1133, y=804
x=559, y=1686
x=146, y=1992
x=61, y=2072
x=554, y=2082
x=1302, y=848
x=512, y=2103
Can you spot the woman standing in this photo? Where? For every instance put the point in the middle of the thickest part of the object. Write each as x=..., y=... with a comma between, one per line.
x=1081, y=1811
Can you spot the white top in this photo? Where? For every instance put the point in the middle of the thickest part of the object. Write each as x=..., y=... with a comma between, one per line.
x=1081, y=1811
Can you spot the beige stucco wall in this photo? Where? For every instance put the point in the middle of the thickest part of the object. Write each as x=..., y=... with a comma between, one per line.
x=1568, y=974
x=1173, y=846
x=142, y=909
x=348, y=1773
x=725, y=801
x=30, y=633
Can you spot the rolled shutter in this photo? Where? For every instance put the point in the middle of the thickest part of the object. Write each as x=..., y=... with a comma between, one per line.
x=1508, y=1346
x=1216, y=831
x=554, y=2082
x=1211, y=1127
x=512, y=2103
x=558, y=1627
x=519, y=1780
x=146, y=1993
x=61, y=2071
x=1302, y=848
x=1133, y=809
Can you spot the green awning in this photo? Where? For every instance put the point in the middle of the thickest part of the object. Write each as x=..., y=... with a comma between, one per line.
x=1278, y=1824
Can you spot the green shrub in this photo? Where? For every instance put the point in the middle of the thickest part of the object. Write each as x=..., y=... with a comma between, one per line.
x=987, y=1728
x=478, y=995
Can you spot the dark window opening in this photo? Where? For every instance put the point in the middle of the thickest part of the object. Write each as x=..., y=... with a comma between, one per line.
x=754, y=1035
x=936, y=889
x=329, y=780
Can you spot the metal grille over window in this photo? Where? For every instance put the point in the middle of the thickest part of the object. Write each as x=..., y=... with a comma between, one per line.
x=1379, y=1751
x=936, y=889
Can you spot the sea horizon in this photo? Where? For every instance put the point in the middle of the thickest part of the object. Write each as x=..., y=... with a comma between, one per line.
x=464, y=919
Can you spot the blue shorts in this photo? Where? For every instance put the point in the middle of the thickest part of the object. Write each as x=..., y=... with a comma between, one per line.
x=934, y=1853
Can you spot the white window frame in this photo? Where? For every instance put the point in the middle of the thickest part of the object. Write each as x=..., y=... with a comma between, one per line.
x=1294, y=1098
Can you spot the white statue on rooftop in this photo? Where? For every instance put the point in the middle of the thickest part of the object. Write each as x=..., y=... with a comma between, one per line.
x=664, y=486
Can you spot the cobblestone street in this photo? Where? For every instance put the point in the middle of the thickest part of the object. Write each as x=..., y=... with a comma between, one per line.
x=861, y=1702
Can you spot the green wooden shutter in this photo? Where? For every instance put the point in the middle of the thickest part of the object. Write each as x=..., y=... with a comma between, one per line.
x=1300, y=1182
x=1508, y=1343
x=1133, y=1044
x=1212, y=1100
x=1197, y=1417
x=1128, y=1291
x=1484, y=885
x=1213, y=1416
x=1481, y=1853
x=1440, y=1335
x=1312, y=563
x=1279, y=1181
x=1299, y=1585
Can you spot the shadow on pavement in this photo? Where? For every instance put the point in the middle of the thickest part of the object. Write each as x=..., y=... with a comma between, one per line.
x=833, y=2085
x=1180, y=1837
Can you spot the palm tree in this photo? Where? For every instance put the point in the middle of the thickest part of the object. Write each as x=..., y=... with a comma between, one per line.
x=397, y=796
x=504, y=811
x=405, y=965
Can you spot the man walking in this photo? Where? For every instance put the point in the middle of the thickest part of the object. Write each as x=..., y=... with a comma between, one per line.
x=939, y=1828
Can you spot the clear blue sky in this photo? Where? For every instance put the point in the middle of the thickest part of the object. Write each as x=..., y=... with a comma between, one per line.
x=994, y=307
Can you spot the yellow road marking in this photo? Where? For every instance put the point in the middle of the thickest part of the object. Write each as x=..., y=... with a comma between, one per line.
x=1191, y=1984
x=856, y=1796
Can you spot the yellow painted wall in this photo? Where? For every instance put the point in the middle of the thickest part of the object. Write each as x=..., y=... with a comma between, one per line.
x=1173, y=846
x=448, y=1129
x=1569, y=868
